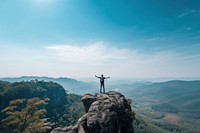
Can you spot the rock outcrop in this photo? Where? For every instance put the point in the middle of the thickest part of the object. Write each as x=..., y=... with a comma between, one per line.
x=105, y=113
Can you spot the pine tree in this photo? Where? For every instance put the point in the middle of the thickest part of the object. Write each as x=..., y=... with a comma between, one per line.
x=25, y=115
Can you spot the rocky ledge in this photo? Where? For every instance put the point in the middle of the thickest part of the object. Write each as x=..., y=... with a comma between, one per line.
x=105, y=113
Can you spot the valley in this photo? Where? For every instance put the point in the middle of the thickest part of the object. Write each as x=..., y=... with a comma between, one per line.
x=171, y=106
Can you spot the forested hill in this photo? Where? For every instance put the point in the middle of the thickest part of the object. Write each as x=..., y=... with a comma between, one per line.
x=69, y=84
x=61, y=107
x=171, y=106
x=178, y=93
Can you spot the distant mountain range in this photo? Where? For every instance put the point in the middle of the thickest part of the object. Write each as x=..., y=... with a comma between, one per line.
x=168, y=106
x=71, y=85
x=80, y=87
x=180, y=94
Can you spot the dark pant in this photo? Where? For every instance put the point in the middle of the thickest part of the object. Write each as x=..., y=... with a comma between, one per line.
x=102, y=86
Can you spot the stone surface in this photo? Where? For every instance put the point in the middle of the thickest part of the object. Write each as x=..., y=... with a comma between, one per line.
x=105, y=113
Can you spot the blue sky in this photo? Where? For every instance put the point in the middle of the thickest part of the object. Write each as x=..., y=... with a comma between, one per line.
x=80, y=38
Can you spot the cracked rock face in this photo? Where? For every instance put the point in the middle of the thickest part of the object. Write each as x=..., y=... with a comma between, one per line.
x=105, y=113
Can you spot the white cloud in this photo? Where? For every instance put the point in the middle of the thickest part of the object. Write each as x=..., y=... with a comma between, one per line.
x=102, y=58
x=188, y=12
x=96, y=58
x=155, y=39
x=96, y=53
x=183, y=14
x=101, y=54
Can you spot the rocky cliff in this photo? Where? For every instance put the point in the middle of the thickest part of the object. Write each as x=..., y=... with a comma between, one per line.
x=105, y=113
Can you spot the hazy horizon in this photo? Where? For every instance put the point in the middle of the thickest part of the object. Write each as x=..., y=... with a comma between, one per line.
x=124, y=80
x=122, y=39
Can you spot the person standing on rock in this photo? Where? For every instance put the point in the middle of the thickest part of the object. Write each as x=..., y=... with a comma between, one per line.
x=102, y=82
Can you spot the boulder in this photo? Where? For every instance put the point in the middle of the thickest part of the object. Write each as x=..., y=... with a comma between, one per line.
x=105, y=113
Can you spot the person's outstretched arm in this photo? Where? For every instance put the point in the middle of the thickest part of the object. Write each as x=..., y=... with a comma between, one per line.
x=107, y=77
x=97, y=76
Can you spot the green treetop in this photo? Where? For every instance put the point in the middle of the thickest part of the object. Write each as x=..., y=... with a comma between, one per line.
x=25, y=115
